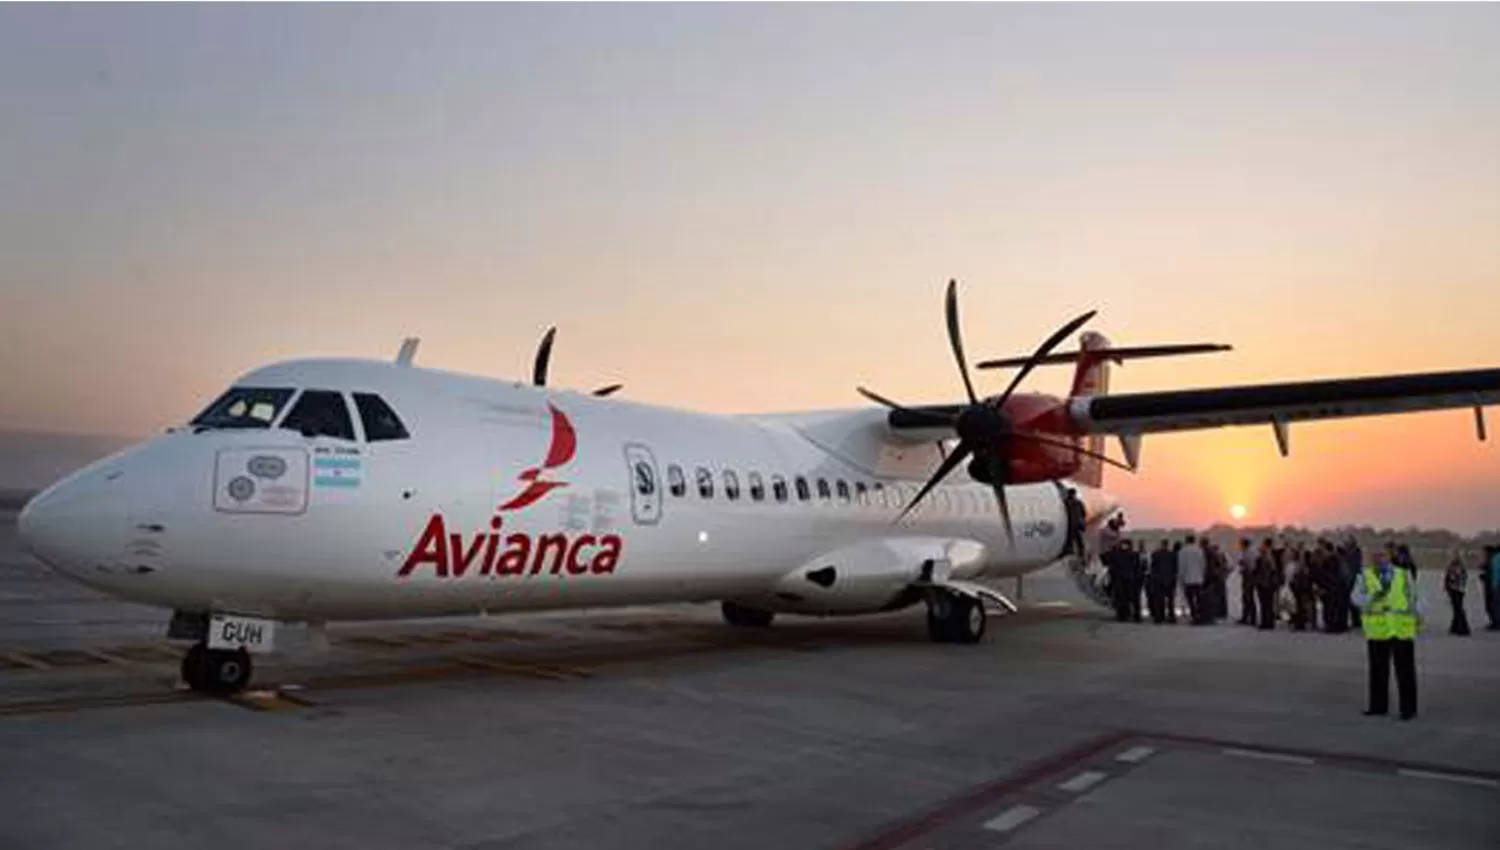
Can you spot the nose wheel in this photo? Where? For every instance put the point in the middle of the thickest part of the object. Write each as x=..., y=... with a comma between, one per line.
x=217, y=672
x=955, y=618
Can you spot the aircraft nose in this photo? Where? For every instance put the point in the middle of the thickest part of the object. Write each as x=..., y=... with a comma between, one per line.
x=43, y=524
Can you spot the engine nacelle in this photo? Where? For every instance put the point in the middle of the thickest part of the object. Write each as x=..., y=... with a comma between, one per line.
x=1030, y=462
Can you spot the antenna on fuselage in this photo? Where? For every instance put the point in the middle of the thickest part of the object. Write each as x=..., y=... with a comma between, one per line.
x=408, y=351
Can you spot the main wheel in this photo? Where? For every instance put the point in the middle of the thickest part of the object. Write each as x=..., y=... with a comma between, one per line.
x=955, y=619
x=739, y=615
x=216, y=671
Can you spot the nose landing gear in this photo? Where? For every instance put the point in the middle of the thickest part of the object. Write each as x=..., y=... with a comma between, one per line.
x=217, y=672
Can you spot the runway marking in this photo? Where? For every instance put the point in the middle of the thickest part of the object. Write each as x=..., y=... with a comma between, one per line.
x=1083, y=781
x=1266, y=756
x=21, y=659
x=1136, y=755
x=1011, y=818
x=1481, y=781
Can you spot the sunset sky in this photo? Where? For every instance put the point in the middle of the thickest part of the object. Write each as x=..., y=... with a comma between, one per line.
x=744, y=208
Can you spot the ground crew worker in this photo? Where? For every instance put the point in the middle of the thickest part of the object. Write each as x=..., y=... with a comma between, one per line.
x=1489, y=577
x=1387, y=596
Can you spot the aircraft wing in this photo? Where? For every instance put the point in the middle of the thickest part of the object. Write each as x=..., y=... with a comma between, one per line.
x=1134, y=414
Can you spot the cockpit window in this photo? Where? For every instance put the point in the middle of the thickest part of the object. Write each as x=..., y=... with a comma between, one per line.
x=321, y=413
x=381, y=423
x=244, y=407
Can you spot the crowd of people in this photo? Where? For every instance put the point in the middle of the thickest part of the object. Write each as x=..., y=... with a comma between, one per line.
x=1309, y=584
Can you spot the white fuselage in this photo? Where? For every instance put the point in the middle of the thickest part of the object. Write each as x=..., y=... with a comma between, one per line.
x=269, y=522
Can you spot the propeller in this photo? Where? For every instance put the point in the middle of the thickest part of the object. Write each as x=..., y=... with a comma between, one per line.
x=985, y=432
x=543, y=361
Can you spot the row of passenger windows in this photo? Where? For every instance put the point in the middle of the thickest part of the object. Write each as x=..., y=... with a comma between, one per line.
x=317, y=413
x=777, y=488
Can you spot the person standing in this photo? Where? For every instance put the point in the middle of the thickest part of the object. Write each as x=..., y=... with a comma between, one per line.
x=1161, y=582
x=1387, y=594
x=1331, y=588
x=1489, y=574
x=1456, y=581
x=1192, y=569
x=1135, y=574
x=1352, y=563
x=1077, y=518
x=1247, y=583
x=1217, y=581
x=1268, y=582
x=1114, y=565
x=1300, y=582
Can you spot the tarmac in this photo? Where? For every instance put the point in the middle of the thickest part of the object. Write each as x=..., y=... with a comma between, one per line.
x=660, y=727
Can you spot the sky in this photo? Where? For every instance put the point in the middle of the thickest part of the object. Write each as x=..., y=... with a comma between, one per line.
x=745, y=208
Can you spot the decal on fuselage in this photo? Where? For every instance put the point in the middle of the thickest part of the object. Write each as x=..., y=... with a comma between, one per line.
x=261, y=481
x=491, y=553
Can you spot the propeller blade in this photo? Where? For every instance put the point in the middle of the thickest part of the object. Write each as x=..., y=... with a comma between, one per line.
x=1041, y=353
x=951, y=463
x=955, y=339
x=935, y=418
x=609, y=390
x=543, y=358
x=997, y=481
x=1064, y=444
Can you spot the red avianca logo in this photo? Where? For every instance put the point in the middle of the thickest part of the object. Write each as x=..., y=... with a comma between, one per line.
x=453, y=555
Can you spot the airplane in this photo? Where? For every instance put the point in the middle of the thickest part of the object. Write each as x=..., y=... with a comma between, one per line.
x=327, y=490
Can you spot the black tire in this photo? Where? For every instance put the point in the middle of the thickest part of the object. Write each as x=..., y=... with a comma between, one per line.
x=743, y=617
x=217, y=672
x=955, y=619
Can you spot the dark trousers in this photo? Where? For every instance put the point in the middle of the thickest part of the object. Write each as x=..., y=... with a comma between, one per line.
x=1382, y=654
x=1265, y=598
x=1335, y=615
x=1156, y=603
x=1195, y=601
x=1247, y=603
x=1305, y=615
x=1460, y=624
x=1133, y=600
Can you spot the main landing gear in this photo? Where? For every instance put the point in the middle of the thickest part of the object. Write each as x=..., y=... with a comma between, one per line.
x=217, y=672
x=954, y=618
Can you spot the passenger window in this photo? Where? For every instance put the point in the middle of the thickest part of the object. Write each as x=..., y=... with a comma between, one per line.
x=320, y=413
x=823, y=491
x=705, y=482
x=244, y=407
x=778, y=488
x=381, y=423
x=802, y=491
x=645, y=479
x=731, y=485
x=757, y=487
x=861, y=493
x=843, y=488
x=676, y=484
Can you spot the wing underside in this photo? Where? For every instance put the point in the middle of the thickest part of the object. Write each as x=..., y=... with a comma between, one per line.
x=1279, y=404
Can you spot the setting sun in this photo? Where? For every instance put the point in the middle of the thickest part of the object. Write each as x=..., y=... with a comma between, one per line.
x=1237, y=511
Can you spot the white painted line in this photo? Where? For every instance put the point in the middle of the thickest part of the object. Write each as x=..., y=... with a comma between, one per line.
x=1011, y=818
x=1451, y=777
x=1083, y=781
x=1265, y=756
x=1136, y=755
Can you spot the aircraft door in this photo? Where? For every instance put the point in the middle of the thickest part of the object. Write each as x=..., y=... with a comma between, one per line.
x=645, y=484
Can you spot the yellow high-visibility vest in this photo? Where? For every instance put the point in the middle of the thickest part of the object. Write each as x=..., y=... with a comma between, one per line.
x=1392, y=616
